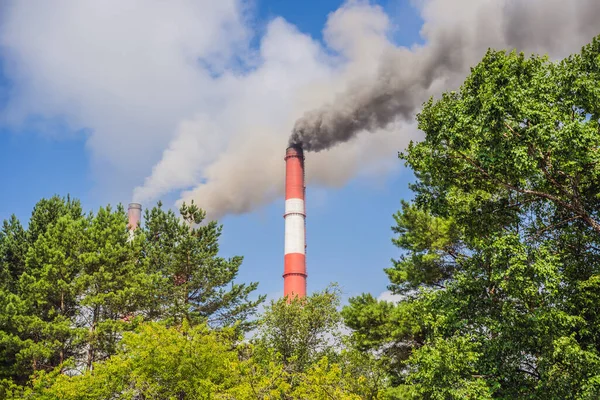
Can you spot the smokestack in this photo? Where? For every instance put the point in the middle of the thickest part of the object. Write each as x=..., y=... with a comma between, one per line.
x=294, y=275
x=134, y=213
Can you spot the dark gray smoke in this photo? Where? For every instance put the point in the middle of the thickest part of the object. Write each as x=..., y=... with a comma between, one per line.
x=457, y=32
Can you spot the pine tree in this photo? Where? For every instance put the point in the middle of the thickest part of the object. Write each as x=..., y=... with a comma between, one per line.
x=34, y=330
x=48, y=288
x=13, y=249
x=113, y=285
x=47, y=211
x=197, y=284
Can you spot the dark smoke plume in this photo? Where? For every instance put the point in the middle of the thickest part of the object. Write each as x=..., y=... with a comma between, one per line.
x=405, y=76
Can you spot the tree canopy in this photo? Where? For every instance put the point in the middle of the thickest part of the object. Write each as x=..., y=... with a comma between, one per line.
x=500, y=247
x=73, y=283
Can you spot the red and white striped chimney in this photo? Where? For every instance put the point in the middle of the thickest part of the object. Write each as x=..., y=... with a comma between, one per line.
x=294, y=275
x=134, y=214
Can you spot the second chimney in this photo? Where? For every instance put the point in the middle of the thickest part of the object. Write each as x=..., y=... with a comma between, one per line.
x=134, y=214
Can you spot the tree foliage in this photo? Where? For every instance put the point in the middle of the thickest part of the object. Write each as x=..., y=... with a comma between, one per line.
x=153, y=362
x=301, y=330
x=159, y=360
x=500, y=264
x=299, y=351
x=197, y=284
x=74, y=284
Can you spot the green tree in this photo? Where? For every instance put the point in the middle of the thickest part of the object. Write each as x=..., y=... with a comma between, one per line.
x=501, y=242
x=386, y=331
x=197, y=284
x=26, y=318
x=47, y=211
x=301, y=330
x=13, y=249
x=74, y=284
x=48, y=290
x=301, y=342
x=154, y=362
x=114, y=284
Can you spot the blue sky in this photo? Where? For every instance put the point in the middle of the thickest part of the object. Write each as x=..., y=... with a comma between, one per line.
x=348, y=227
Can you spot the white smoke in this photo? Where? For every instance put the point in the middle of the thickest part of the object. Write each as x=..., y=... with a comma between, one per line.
x=174, y=92
x=131, y=71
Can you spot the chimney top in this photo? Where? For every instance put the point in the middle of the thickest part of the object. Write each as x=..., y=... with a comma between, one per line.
x=134, y=206
x=294, y=151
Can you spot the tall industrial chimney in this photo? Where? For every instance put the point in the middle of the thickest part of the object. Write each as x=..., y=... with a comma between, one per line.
x=294, y=275
x=134, y=214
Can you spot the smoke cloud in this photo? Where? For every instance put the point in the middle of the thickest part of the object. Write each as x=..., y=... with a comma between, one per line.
x=457, y=32
x=178, y=99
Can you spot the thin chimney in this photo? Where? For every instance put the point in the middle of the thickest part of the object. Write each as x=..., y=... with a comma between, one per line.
x=134, y=214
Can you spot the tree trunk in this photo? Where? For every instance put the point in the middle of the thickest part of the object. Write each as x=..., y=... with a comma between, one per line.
x=91, y=349
x=62, y=311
